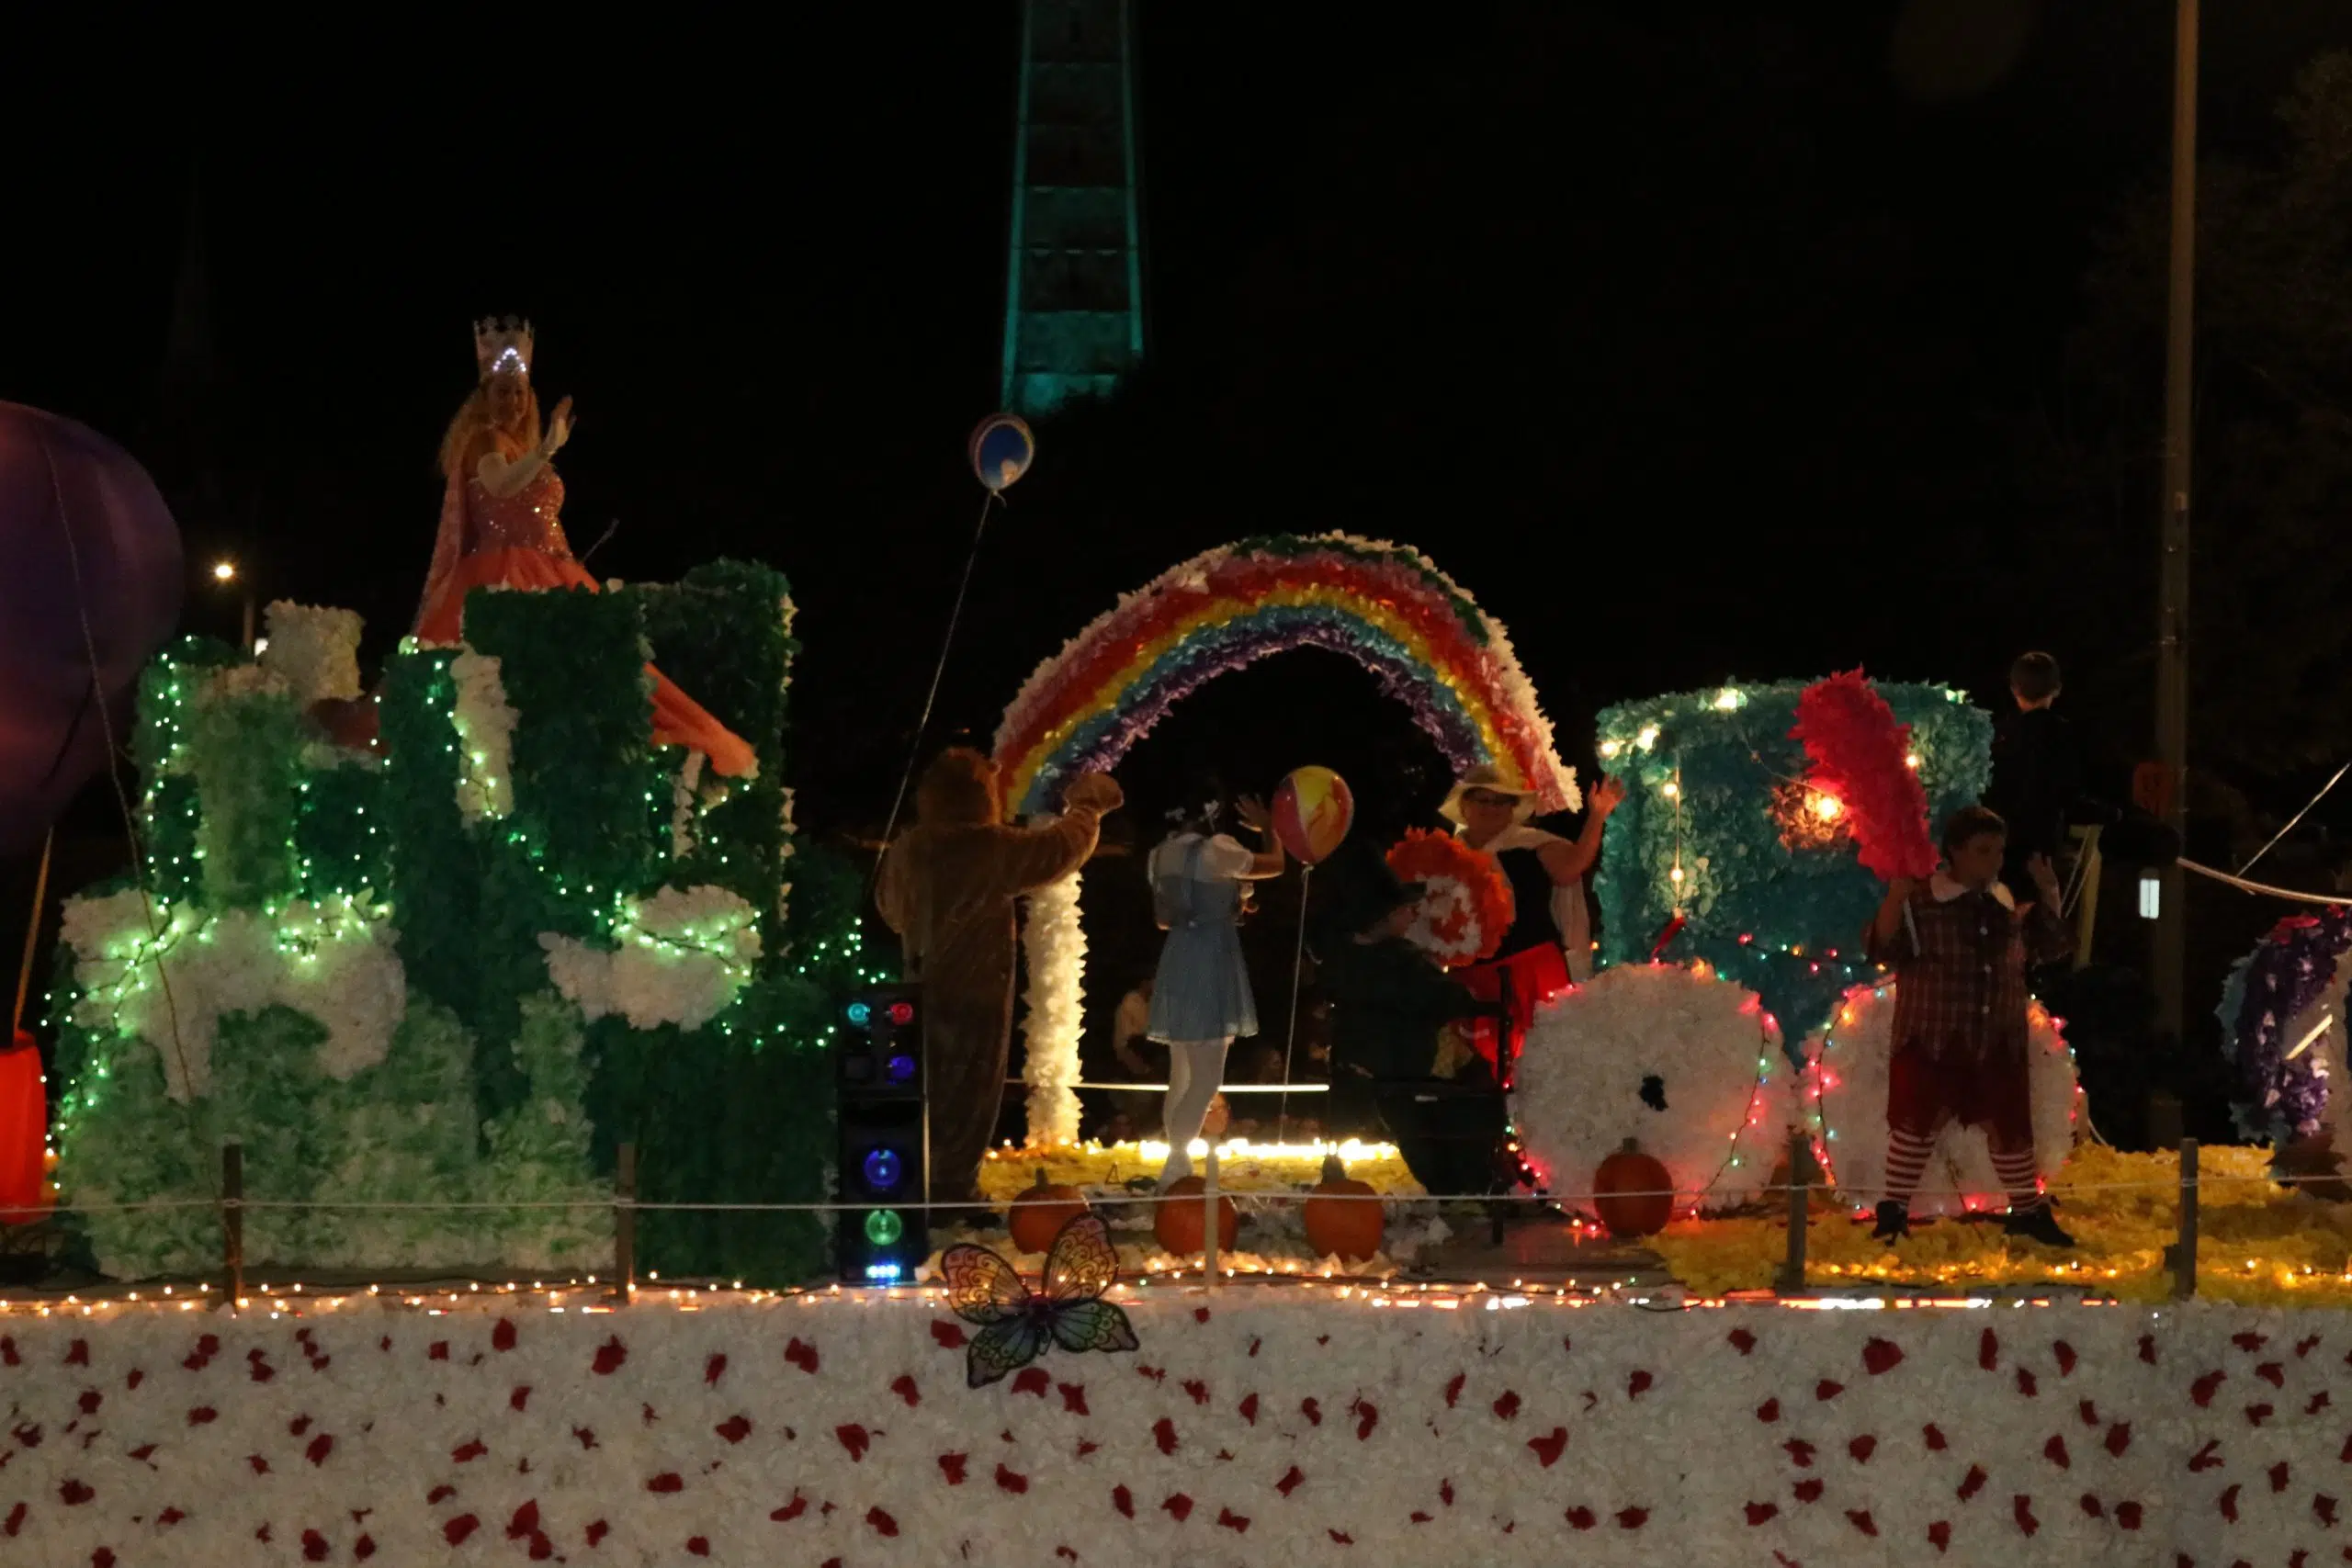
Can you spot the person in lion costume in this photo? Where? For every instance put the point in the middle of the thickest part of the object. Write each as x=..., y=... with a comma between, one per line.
x=947, y=887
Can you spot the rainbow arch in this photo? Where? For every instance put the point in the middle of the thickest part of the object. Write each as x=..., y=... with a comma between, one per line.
x=1388, y=607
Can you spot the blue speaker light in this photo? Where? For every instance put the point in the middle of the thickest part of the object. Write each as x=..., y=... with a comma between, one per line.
x=900, y=1068
x=883, y=1169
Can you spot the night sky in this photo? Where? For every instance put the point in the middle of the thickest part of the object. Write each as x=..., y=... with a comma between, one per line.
x=1691, y=338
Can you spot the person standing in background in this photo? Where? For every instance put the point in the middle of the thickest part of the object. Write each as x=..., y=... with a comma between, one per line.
x=1142, y=1059
x=2037, y=773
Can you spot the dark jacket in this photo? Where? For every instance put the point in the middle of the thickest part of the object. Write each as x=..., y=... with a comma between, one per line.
x=1388, y=1001
x=2037, y=778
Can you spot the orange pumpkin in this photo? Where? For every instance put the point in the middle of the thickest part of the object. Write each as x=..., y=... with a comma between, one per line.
x=1634, y=1192
x=1039, y=1214
x=1177, y=1225
x=1341, y=1222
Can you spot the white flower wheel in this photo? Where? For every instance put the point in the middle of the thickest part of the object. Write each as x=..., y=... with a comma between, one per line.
x=1844, y=1092
x=1685, y=1063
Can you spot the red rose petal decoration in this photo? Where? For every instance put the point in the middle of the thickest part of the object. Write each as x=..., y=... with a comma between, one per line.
x=735, y=1429
x=1198, y=1390
x=2248, y=1340
x=466, y=1453
x=2054, y=1450
x=1454, y=1388
x=1758, y=1513
x=1631, y=1518
x=903, y=1385
x=2204, y=1388
x=2228, y=1502
x=1505, y=1404
x=525, y=1520
x=2128, y=1515
x=802, y=1356
x=1638, y=1384
x=610, y=1357
x=1367, y=1416
x=1768, y=1412
x=2278, y=1473
x=699, y=1546
x=1234, y=1522
x=1973, y=1482
x=884, y=1525
x=1247, y=1407
x=668, y=1481
x=439, y=1493
x=2090, y=1505
x=784, y=1515
x=2206, y=1458
x=2148, y=1348
x=77, y=1354
x=1861, y=1447
x=2119, y=1437
x=457, y=1529
x=2255, y=1415
x=1860, y=1519
x=1989, y=1351
x=1940, y=1535
x=2066, y=1358
x=853, y=1438
x=72, y=1494
x=314, y=1547
x=502, y=1338
x=2026, y=1384
x=1011, y=1480
x=1741, y=1341
x=15, y=1521
x=1178, y=1508
x=2323, y=1509
x=2021, y=1509
x=1549, y=1447
x=1800, y=1451
x=1827, y=1389
x=439, y=1351
x=320, y=1446
x=203, y=1416
x=1809, y=1490
x=1311, y=1410
x=949, y=1335
x=1881, y=1356
x=1124, y=1500
x=1163, y=1432
x=1340, y=1540
x=1583, y=1519
x=1289, y=1482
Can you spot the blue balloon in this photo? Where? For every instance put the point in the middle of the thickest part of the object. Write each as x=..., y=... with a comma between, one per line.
x=90, y=584
x=1001, y=450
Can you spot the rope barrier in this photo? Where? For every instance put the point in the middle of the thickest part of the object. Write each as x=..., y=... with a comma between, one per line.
x=1113, y=1198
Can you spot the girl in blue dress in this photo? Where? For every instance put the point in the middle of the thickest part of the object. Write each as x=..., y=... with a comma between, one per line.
x=1200, y=1000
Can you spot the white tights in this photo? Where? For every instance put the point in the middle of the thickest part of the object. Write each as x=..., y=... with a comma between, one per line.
x=1196, y=1069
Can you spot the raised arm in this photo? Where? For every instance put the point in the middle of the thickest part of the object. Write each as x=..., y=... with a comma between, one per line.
x=502, y=476
x=1567, y=860
x=1266, y=862
x=1030, y=858
x=1879, y=938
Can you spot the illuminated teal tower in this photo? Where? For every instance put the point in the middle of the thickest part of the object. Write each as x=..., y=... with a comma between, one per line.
x=1074, y=295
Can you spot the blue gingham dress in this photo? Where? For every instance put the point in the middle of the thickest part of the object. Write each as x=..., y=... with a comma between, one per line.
x=1203, y=990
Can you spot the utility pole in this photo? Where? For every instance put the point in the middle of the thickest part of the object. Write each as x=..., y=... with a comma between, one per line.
x=2170, y=943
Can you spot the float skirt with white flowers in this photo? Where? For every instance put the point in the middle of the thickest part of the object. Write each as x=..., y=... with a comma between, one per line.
x=1297, y=1425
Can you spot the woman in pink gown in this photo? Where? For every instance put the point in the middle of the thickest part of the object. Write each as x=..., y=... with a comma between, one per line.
x=500, y=526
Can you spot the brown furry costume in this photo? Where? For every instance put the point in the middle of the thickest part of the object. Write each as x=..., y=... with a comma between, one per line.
x=947, y=887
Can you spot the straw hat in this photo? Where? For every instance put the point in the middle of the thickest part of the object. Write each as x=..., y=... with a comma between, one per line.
x=1487, y=777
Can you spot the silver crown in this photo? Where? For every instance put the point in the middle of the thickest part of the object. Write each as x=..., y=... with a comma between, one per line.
x=502, y=346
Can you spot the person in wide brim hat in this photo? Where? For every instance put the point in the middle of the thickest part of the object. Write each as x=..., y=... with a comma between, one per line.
x=1485, y=779
x=1549, y=945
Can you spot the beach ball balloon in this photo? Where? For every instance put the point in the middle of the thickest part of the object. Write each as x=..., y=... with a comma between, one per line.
x=1312, y=813
x=1001, y=450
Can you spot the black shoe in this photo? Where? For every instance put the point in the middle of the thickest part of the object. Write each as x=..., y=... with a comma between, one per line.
x=2037, y=1224
x=1893, y=1221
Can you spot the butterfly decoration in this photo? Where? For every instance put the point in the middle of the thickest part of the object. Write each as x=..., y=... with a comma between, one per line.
x=1017, y=1322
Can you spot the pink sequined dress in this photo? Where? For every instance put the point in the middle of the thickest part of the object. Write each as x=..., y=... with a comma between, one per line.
x=517, y=542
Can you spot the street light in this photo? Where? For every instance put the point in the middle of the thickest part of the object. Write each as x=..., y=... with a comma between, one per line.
x=224, y=573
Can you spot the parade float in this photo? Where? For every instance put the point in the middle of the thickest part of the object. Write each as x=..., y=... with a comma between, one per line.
x=432, y=981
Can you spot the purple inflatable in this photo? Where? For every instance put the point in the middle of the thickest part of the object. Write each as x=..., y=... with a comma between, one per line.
x=84, y=536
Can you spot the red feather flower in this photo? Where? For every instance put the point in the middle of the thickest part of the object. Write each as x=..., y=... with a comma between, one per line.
x=1857, y=749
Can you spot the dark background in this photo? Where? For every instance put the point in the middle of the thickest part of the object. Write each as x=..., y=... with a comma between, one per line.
x=1697, y=340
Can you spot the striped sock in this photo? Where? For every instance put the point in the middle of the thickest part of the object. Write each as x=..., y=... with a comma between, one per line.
x=2018, y=1178
x=1907, y=1162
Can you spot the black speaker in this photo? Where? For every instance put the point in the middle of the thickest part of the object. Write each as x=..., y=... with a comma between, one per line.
x=883, y=1138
